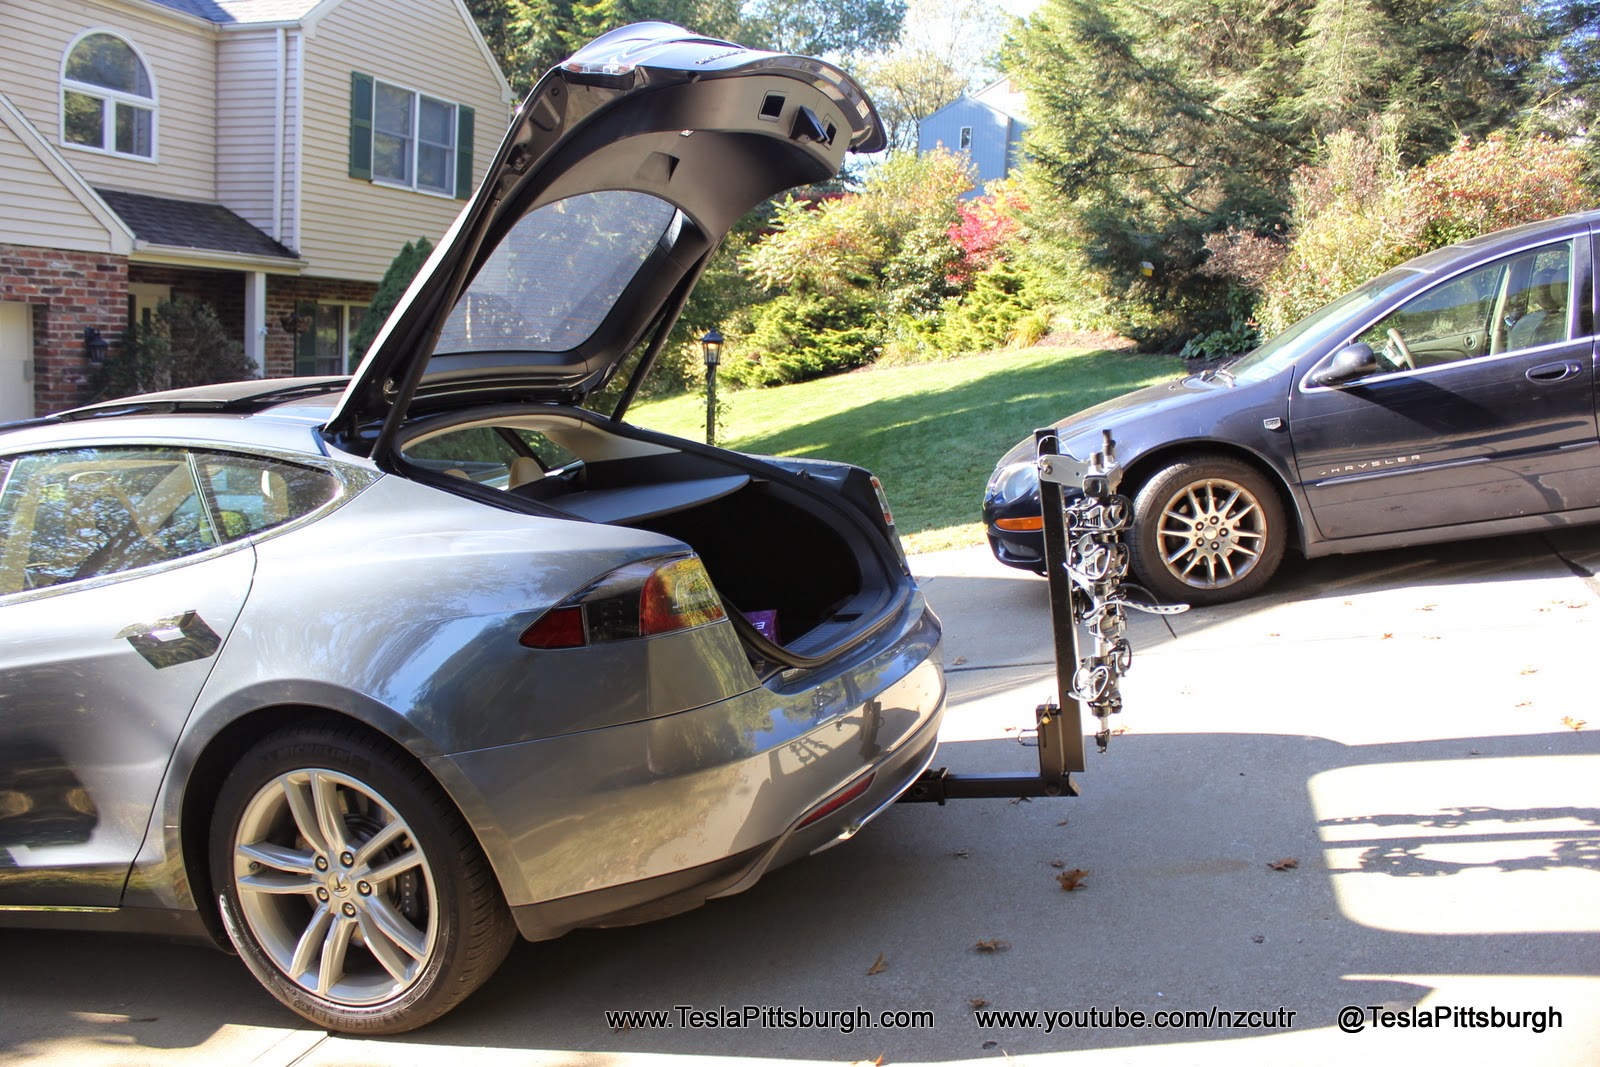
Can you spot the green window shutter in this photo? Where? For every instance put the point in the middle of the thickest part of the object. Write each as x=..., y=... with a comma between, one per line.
x=360, y=125
x=305, y=342
x=463, y=152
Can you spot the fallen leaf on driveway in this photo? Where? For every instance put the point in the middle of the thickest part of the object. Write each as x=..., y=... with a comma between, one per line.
x=978, y=1002
x=1058, y=863
x=1387, y=637
x=1288, y=863
x=992, y=945
x=958, y=661
x=879, y=966
x=1530, y=670
x=879, y=1062
x=961, y=853
x=1072, y=879
x=1576, y=724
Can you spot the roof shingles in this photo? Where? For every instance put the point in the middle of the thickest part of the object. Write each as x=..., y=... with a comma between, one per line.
x=243, y=11
x=188, y=224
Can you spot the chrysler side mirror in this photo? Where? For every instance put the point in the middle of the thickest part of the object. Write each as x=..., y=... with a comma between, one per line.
x=1348, y=364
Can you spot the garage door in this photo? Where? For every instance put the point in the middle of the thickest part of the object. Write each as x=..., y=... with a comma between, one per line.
x=16, y=360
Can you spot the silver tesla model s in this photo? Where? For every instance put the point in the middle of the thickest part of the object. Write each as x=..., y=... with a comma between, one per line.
x=362, y=678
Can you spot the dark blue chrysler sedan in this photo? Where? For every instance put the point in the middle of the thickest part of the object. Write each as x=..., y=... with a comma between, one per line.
x=1451, y=397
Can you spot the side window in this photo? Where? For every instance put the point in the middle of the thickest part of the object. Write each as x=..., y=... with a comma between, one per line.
x=82, y=513
x=1510, y=304
x=248, y=494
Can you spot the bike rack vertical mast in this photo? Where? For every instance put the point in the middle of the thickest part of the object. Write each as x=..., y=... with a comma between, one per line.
x=1061, y=748
x=1059, y=725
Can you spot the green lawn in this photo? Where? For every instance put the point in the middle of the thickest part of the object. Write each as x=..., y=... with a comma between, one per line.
x=932, y=432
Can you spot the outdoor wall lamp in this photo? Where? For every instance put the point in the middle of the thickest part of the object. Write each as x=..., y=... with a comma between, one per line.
x=95, y=346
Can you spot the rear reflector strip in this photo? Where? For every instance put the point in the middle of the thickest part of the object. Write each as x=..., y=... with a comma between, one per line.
x=838, y=800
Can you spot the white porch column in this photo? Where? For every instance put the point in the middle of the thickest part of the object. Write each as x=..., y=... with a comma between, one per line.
x=255, y=320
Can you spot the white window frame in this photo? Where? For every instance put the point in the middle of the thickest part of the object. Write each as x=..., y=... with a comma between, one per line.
x=112, y=97
x=414, y=141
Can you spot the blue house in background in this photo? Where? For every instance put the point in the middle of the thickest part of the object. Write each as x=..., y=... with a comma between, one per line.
x=987, y=126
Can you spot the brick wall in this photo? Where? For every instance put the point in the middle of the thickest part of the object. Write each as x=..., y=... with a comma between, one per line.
x=72, y=290
x=285, y=293
x=68, y=291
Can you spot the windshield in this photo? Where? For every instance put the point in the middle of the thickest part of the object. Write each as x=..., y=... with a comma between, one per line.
x=1284, y=349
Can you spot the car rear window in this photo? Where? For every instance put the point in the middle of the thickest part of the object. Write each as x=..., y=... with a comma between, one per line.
x=556, y=276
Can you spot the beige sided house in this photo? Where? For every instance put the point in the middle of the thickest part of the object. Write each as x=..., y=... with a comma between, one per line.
x=269, y=157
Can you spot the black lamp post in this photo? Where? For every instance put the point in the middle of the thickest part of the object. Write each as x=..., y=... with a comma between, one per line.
x=711, y=349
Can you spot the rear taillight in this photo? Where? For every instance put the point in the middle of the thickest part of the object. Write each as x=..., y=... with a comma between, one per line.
x=888, y=520
x=639, y=600
x=883, y=502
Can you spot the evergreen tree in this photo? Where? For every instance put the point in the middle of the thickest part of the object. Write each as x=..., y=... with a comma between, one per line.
x=1160, y=122
x=401, y=271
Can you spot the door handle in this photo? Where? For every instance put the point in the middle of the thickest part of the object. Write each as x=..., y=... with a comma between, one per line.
x=1553, y=372
x=169, y=642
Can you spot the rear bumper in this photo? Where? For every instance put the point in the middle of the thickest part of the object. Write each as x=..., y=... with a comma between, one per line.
x=637, y=821
x=683, y=890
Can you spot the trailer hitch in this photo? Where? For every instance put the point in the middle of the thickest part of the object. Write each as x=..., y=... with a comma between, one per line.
x=1086, y=562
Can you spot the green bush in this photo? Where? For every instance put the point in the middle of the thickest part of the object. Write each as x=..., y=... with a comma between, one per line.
x=988, y=315
x=1239, y=338
x=396, y=279
x=796, y=337
x=185, y=344
x=1358, y=213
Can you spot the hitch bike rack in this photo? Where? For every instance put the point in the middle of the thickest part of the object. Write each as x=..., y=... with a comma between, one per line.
x=1086, y=562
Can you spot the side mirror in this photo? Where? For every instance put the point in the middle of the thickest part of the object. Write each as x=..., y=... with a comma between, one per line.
x=1348, y=364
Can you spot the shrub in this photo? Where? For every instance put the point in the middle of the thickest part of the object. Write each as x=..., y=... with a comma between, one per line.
x=988, y=315
x=1220, y=344
x=185, y=344
x=796, y=337
x=1358, y=213
x=396, y=279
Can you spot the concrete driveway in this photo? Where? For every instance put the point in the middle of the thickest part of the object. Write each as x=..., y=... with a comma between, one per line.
x=1402, y=727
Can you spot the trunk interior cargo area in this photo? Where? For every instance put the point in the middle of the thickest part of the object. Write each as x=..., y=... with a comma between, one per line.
x=797, y=547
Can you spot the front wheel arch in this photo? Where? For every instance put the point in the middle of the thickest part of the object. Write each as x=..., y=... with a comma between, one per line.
x=1166, y=472
x=1141, y=470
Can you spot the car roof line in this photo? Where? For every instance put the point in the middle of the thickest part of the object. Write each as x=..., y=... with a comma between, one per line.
x=157, y=404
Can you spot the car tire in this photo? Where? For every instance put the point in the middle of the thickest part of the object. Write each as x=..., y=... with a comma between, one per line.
x=350, y=884
x=1233, y=504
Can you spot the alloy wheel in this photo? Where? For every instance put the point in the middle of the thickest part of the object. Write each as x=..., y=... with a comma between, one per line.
x=335, y=888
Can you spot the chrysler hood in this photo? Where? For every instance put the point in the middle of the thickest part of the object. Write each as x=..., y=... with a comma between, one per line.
x=620, y=174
